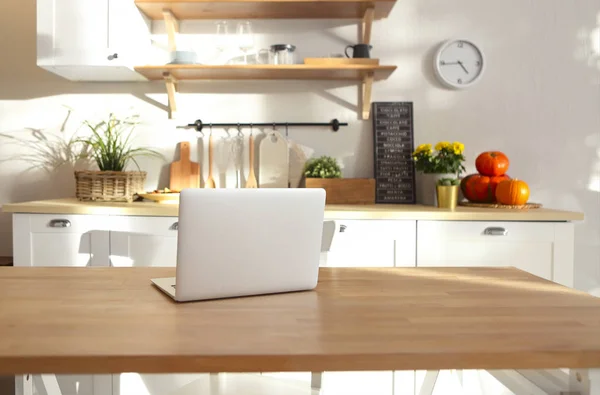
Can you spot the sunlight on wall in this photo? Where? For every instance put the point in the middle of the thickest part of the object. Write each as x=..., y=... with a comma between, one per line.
x=594, y=180
x=595, y=38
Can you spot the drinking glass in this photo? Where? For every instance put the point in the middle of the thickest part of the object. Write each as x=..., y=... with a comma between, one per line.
x=245, y=38
x=222, y=36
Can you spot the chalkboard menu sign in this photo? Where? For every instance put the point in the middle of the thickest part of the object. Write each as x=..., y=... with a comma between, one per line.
x=393, y=146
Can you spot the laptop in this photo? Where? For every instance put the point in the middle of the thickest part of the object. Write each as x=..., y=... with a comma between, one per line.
x=242, y=242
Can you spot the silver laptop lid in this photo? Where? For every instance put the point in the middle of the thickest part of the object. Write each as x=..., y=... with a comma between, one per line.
x=234, y=242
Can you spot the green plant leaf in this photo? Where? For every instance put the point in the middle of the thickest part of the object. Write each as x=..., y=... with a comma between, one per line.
x=109, y=143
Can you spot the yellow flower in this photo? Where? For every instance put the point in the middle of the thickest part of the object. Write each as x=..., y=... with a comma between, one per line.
x=458, y=147
x=423, y=148
x=441, y=145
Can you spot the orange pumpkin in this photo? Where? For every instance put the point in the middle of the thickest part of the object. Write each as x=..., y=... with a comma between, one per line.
x=492, y=163
x=513, y=192
x=481, y=189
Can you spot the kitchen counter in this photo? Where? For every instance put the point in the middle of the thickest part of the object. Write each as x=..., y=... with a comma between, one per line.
x=381, y=211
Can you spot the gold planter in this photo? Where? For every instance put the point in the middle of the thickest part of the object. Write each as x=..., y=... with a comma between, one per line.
x=447, y=196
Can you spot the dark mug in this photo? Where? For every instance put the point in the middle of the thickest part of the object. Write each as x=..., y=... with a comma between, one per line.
x=359, y=51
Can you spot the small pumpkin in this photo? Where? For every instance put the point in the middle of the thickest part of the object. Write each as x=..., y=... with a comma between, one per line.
x=492, y=163
x=481, y=189
x=512, y=192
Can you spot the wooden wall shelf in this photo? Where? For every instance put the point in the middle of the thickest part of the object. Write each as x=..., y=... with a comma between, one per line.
x=171, y=74
x=265, y=9
x=172, y=11
x=267, y=72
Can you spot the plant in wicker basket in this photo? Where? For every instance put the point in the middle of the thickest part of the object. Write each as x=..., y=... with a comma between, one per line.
x=109, y=145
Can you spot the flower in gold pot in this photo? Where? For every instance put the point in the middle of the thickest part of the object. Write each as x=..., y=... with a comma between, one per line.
x=446, y=162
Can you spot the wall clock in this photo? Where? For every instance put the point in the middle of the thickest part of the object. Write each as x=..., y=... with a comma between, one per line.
x=459, y=64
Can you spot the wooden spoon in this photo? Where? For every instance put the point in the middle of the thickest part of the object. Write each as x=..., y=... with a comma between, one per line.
x=251, y=182
x=210, y=182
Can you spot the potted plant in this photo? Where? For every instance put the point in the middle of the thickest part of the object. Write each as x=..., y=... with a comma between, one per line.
x=109, y=145
x=325, y=172
x=444, y=165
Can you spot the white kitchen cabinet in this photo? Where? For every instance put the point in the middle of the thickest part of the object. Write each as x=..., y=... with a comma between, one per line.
x=92, y=40
x=541, y=248
x=373, y=243
x=60, y=240
x=143, y=241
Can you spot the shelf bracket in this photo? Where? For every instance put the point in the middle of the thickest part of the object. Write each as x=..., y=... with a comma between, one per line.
x=367, y=24
x=367, y=86
x=172, y=26
x=171, y=83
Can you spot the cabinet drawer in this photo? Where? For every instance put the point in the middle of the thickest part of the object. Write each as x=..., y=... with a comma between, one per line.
x=376, y=229
x=373, y=243
x=525, y=245
x=513, y=231
x=59, y=223
x=156, y=226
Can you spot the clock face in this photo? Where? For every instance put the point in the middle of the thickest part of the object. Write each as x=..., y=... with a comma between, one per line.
x=459, y=63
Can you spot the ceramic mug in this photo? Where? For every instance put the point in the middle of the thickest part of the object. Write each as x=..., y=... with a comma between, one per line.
x=359, y=51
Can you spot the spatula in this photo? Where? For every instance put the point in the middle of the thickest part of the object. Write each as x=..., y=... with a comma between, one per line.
x=210, y=181
x=251, y=181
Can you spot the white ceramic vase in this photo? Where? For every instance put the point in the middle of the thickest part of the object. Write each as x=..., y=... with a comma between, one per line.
x=426, y=187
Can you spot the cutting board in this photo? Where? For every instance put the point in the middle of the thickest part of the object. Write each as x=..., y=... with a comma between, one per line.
x=184, y=172
x=273, y=170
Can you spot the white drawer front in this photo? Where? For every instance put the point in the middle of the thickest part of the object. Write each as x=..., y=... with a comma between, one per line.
x=525, y=245
x=59, y=223
x=373, y=243
x=156, y=226
x=514, y=231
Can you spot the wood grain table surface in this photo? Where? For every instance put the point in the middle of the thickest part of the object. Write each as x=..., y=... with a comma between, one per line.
x=110, y=320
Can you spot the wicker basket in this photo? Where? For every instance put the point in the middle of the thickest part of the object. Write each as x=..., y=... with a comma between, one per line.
x=108, y=186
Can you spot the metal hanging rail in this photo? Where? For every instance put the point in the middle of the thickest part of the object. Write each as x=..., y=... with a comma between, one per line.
x=199, y=125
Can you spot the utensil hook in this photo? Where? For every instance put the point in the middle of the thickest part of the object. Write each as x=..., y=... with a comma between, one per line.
x=287, y=134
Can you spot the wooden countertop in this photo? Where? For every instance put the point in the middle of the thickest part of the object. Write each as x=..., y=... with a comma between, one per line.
x=110, y=320
x=381, y=211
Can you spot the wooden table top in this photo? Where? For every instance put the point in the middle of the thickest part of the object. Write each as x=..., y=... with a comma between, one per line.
x=110, y=320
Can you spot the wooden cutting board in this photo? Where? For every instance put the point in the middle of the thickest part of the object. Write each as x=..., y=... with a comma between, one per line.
x=184, y=173
x=273, y=171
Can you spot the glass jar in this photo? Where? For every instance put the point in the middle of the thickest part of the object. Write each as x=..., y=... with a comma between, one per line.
x=282, y=54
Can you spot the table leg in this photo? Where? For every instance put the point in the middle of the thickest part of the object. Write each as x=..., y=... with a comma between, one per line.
x=24, y=384
x=315, y=380
x=51, y=384
x=428, y=385
x=594, y=375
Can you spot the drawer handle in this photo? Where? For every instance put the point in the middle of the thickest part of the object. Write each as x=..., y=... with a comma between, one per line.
x=60, y=223
x=495, y=231
x=343, y=228
x=175, y=226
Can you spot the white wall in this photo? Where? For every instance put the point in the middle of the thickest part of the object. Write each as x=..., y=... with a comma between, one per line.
x=539, y=101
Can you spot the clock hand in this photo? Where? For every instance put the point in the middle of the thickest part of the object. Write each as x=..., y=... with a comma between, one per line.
x=449, y=63
x=463, y=67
